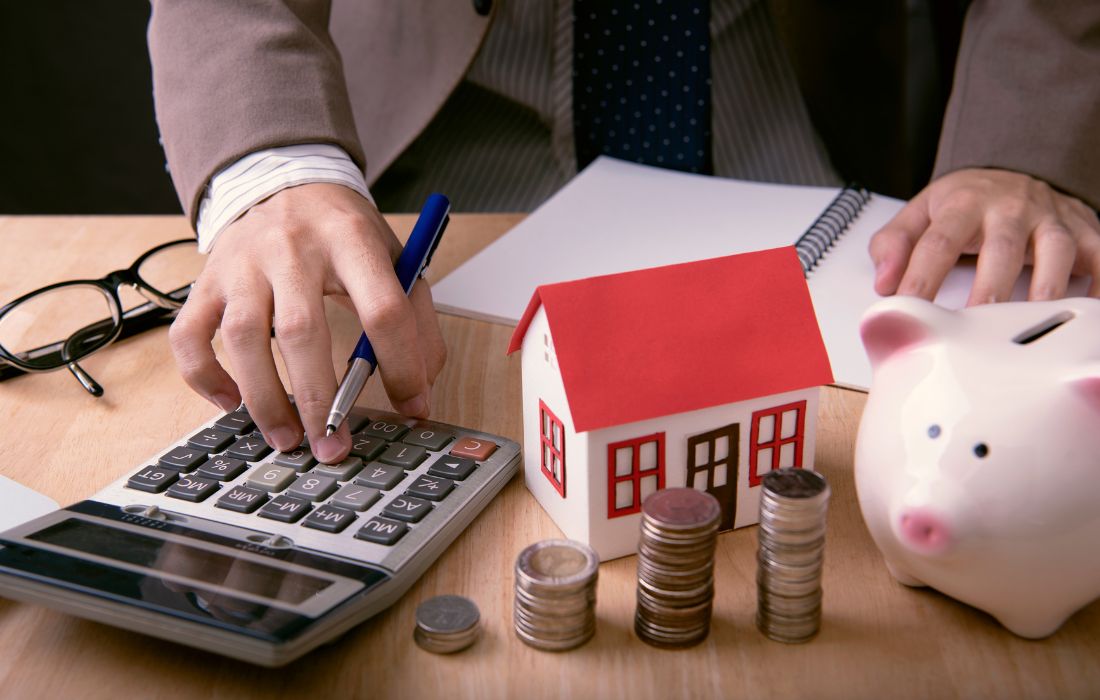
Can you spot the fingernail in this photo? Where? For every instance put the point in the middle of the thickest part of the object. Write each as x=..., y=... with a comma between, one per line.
x=329, y=448
x=416, y=407
x=225, y=402
x=282, y=439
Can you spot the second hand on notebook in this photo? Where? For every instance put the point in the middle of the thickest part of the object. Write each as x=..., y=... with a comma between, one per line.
x=413, y=260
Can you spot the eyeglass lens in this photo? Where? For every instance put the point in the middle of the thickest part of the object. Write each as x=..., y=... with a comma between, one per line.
x=171, y=270
x=59, y=325
x=63, y=324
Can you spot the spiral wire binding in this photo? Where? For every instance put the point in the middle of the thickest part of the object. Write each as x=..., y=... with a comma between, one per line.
x=823, y=233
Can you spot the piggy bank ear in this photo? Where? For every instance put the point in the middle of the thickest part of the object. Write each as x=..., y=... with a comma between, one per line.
x=899, y=323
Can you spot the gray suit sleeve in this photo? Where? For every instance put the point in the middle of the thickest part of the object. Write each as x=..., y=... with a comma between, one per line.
x=230, y=78
x=1026, y=95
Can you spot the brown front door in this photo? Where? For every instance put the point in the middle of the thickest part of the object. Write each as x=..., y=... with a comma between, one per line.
x=712, y=467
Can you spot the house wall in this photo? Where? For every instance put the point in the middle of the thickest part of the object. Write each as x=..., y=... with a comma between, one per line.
x=542, y=380
x=618, y=536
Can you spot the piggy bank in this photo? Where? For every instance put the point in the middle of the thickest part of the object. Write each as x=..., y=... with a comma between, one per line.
x=977, y=462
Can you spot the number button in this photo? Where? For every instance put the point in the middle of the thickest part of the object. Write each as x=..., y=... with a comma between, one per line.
x=366, y=447
x=312, y=487
x=271, y=479
x=299, y=460
x=434, y=440
x=387, y=430
x=356, y=497
x=380, y=476
x=341, y=471
x=405, y=456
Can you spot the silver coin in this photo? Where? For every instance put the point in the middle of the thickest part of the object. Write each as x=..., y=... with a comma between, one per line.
x=445, y=614
x=681, y=508
x=794, y=483
x=557, y=563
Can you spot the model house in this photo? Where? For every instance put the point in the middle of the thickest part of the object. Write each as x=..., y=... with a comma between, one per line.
x=702, y=374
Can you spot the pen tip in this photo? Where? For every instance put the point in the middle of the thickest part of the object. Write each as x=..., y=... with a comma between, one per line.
x=329, y=430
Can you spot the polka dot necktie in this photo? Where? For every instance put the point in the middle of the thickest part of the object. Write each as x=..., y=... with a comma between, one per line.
x=641, y=82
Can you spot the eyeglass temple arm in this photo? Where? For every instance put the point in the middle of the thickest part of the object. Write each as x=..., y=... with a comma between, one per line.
x=90, y=385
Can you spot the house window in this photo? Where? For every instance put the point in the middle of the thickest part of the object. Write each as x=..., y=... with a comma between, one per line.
x=552, y=439
x=776, y=439
x=635, y=469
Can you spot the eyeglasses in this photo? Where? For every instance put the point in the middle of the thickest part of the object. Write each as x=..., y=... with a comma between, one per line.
x=58, y=325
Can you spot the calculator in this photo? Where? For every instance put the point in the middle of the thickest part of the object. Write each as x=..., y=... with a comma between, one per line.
x=221, y=543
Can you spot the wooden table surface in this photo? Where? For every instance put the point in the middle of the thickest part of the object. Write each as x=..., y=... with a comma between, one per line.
x=878, y=639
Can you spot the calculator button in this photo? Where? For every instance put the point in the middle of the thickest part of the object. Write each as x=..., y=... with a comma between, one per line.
x=183, y=458
x=269, y=478
x=404, y=456
x=242, y=499
x=249, y=448
x=380, y=476
x=237, y=422
x=473, y=448
x=366, y=447
x=357, y=419
x=312, y=487
x=153, y=479
x=382, y=531
x=453, y=467
x=222, y=468
x=299, y=460
x=285, y=509
x=407, y=508
x=341, y=471
x=431, y=487
x=387, y=430
x=356, y=497
x=434, y=440
x=211, y=440
x=329, y=518
x=192, y=488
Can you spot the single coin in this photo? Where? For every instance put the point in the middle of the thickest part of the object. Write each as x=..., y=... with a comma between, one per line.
x=447, y=614
x=557, y=563
x=681, y=508
x=794, y=483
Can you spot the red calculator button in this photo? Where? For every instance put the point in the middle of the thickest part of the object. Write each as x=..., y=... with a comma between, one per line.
x=473, y=448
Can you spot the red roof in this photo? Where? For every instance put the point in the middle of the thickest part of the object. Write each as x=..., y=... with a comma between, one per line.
x=665, y=340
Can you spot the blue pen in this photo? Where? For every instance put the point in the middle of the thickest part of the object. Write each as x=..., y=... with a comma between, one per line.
x=412, y=262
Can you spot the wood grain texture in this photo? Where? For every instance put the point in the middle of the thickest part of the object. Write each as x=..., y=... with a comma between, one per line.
x=879, y=639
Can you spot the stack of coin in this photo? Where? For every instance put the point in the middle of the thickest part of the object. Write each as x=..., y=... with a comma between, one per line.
x=676, y=567
x=792, y=550
x=555, y=603
x=446, y=624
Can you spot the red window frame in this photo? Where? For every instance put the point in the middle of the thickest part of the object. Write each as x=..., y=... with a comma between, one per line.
x=777, y=442
x=546, y=442
x=636, y=473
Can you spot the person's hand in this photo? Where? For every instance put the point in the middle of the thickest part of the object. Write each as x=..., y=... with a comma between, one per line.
x=1003, y=217
x=272, y=269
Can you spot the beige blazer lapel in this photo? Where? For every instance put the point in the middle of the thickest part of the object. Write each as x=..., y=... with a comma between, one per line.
x=402, y=59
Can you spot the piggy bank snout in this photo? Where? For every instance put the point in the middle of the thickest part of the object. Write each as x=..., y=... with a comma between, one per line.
x=924, y=531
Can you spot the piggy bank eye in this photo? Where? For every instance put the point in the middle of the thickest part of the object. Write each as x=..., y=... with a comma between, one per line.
x=933, y=431
x=981, y=450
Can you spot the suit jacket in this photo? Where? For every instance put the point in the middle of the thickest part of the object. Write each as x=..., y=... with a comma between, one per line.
x=231, y=78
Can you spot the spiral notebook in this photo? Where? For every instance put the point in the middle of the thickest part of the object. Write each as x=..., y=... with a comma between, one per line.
x=617, y=216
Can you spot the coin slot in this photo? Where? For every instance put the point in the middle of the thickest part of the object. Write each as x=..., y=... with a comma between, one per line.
x=1039, y=330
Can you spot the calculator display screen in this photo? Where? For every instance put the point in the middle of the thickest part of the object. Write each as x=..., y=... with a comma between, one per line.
x=181, y=562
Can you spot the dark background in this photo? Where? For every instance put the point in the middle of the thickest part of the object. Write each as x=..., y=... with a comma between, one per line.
x=77, y=133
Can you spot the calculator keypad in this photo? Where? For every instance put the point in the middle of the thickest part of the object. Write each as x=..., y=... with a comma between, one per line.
x=393, y=479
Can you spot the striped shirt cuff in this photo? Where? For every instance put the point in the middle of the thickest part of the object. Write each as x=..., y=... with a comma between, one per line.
x=257, y=176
